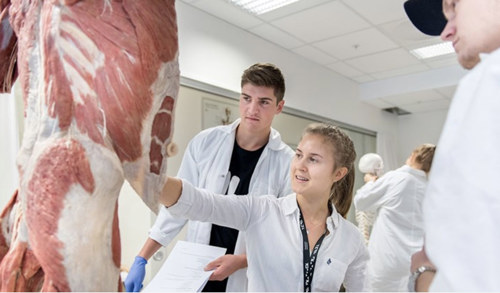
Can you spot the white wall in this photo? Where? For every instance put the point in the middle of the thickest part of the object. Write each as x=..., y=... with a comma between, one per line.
x=416, y=129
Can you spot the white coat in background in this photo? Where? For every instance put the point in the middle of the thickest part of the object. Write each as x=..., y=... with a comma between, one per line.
x=398, y=229
x=205, y=164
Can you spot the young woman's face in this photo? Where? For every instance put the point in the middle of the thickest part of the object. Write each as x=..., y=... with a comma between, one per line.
x=312, y=168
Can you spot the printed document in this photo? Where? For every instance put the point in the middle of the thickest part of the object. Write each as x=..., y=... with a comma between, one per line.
x=183, y=269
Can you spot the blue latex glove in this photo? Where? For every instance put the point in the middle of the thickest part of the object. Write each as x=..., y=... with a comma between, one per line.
x=136, y=275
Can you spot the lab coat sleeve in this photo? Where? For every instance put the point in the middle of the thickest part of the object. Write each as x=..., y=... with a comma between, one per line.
x=285, y=159
x=286, y=186
x=356, y=272
x=167, y=227
x=372, y=195
x=225, y=210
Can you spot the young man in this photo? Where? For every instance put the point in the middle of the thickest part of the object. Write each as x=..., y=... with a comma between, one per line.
x=246, y=157
x=462, y=203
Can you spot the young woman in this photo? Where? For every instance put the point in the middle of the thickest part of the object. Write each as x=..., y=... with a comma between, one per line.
x=300, y=242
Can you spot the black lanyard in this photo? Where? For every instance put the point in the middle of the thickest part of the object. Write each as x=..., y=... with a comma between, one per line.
x=309, y=259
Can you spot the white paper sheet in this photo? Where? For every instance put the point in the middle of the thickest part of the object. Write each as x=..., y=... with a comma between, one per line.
x=183, y=269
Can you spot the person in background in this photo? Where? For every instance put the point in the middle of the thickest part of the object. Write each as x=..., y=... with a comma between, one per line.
x=371, y=165
x=245, y=157
x=398, y=229
x=462, y=204
x=319, y=250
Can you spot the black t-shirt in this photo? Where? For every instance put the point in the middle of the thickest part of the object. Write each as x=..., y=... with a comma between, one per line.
x=242, y=165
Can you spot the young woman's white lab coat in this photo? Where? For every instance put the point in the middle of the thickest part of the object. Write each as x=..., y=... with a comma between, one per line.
x=398, y=229
x=274, y=243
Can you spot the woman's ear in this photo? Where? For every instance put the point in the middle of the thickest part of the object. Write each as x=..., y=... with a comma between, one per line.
x=340, y=173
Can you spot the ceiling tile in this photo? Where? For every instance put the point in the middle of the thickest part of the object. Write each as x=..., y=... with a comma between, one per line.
x=344, y=69
x=356, y=44
x=276, y=36
x=444, y=61
x=314, y=55
x=363, y=78
x=379, y=11
x=405, y=34
x=291, y=9
x=228, y=12
x=400, y=71
x=385, y=61
x=321, y=22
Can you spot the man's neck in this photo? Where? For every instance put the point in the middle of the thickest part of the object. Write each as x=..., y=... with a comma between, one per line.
x=251, y=141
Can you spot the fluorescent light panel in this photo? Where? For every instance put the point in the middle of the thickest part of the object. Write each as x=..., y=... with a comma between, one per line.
x=261, y=6
x=433, y=51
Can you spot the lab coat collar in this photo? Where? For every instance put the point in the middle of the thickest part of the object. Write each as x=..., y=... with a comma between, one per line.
x=413, y=171
x=290, y=207
x=274, y=142
x=485, y=56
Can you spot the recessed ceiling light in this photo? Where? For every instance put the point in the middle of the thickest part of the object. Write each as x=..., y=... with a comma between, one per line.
x=433, y=50
x=261, y=6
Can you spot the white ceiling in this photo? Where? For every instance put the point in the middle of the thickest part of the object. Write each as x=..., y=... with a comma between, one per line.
x=367, y=41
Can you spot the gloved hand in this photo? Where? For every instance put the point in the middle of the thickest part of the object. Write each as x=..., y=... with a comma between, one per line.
x=136, y=275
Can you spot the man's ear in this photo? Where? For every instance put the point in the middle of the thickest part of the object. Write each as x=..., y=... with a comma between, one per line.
x=281, y=104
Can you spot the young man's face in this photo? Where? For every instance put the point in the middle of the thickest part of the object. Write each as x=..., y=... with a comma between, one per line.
x=473, y=27
x=258, y=107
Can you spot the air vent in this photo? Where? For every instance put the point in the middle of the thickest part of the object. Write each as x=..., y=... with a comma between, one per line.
x=396, y=110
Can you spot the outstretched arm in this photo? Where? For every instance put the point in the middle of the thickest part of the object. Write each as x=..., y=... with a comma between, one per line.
x=171, y=191
x=237, y=212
